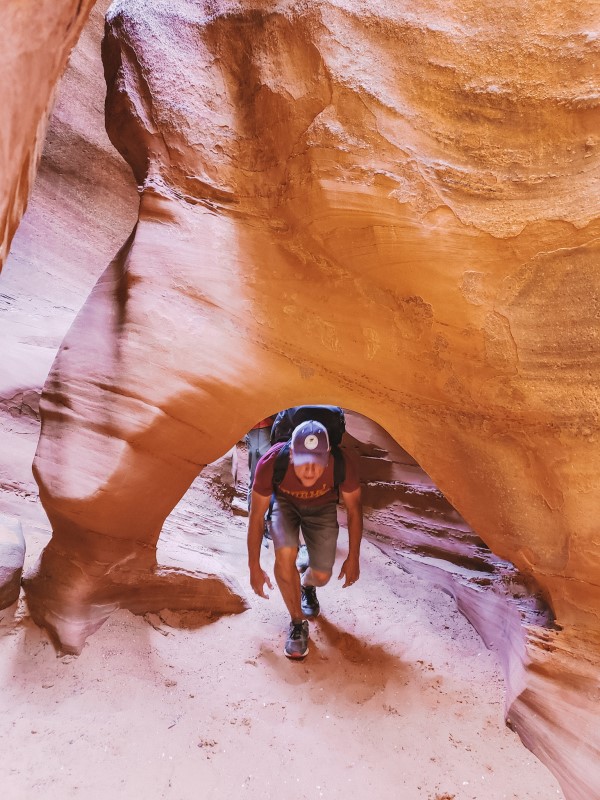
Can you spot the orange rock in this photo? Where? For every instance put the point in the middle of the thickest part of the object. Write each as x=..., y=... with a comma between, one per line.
x=397, y=232
x=36, y=41
x=393, y=211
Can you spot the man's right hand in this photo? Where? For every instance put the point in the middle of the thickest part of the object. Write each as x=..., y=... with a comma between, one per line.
x=259, y=506
x=258, y=579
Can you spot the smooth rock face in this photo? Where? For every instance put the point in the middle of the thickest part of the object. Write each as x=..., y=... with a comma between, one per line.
x=35, y=42
x=321, y=223
x=83, y=206
x=551, y=674
x=12, y=556
x=393, y=211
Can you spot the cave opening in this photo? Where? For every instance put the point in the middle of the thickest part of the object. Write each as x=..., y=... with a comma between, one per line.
x=397, y=695
x=406, y=517
x=424, y=551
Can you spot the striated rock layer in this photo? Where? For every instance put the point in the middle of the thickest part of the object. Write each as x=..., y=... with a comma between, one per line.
x=35, y=42
x=83, y=205
x=393, y=211
x=551, y=674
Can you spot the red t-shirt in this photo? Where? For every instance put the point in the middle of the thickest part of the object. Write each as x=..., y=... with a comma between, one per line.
x=321, y=493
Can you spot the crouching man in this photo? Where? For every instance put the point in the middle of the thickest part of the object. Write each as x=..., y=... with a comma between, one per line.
x=304, y=475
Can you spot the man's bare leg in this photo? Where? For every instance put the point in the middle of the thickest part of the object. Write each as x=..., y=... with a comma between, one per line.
x=309, y=602
x=288, y=580
x=313, y=577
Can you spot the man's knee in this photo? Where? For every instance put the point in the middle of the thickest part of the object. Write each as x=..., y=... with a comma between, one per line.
x=285, y=557
x=318, y=578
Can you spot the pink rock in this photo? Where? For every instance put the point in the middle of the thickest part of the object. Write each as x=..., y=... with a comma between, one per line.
x=12, y=556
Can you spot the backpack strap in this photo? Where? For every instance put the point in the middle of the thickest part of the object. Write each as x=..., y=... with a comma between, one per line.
x=281, y=464
x=282, y=461
x=339, y=468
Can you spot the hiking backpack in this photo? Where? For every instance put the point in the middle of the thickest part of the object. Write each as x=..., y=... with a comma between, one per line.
x=332, y=417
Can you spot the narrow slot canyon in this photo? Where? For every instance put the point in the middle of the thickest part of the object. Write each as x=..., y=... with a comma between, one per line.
x=212, y=211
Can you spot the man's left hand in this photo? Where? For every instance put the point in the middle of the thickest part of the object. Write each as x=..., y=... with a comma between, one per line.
x=350, y=571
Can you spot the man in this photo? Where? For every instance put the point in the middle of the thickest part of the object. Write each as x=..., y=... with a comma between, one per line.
x=305, y=499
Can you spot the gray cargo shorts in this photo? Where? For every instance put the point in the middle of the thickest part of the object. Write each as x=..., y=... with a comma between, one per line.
x=319, y=528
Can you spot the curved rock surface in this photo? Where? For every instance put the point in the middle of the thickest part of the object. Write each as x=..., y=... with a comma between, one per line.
x=35, y=42
x=280, y=235
x=551, y=673
x=83, y=205
x=12, y=556
x=378, y=209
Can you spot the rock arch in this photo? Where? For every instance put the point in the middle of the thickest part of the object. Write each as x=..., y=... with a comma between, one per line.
x=284, y=235
x=371, y=223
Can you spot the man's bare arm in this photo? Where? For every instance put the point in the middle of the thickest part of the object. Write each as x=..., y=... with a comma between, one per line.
x=351, y=567
x=259, y=506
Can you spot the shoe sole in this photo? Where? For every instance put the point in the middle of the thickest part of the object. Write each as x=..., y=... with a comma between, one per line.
x=296, y=656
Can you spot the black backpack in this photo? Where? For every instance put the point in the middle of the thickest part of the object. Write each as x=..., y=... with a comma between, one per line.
x=332, y=417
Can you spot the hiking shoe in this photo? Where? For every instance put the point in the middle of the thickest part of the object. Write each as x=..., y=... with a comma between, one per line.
x=302, y=562
x=308, y=601
x=296, y=645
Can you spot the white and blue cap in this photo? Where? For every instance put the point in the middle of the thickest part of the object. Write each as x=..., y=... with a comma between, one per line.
x=310, y=444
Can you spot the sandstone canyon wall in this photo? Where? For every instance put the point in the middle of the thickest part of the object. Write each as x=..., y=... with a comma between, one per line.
x=375, y=224
x=35, y=42
x=396, y=211
x=83, y=205
x=551, y=673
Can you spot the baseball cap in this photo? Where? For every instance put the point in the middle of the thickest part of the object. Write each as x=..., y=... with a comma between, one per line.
x=310, y=443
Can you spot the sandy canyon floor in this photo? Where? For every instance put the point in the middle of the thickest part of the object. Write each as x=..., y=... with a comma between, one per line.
x=398, y=697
